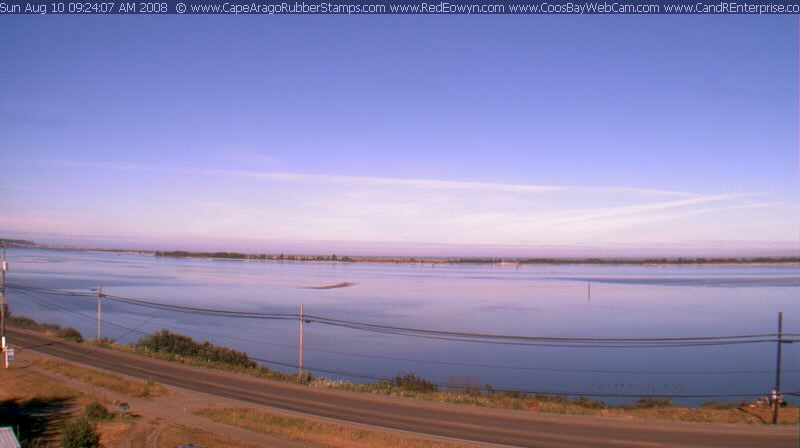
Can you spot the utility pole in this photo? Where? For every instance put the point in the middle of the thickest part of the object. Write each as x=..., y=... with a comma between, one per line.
x=300, y=363
x=776, y=402
x=99, y=309
x=3, y=305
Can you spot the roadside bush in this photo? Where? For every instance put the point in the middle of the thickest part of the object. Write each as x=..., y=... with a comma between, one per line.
x=80, y=433
x=70, y=334
x=26, y=323
x=410, y=382
x=96, y=411
x=718, y=405
x=23, y=322
x=552, y=398
x=166, y=342
x=465, y=385
x=650, y=402
x=305, y=378
x=587, y=402
x=513, y=394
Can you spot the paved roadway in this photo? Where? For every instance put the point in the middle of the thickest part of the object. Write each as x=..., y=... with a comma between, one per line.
x=467, y=423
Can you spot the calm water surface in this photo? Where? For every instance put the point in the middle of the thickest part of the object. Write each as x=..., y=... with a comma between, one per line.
x=626, y=301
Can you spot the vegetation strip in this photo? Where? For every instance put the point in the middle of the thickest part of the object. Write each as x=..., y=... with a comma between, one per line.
x=179, y=348
x=327, y=434
x=103, y=379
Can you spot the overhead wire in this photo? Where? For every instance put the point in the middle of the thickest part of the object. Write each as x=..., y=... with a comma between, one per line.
x=443, y=335
x=473, y=337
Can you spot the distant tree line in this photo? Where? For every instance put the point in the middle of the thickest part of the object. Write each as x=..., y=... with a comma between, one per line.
x=16, y=243
x=241, y=256
x=477, y=260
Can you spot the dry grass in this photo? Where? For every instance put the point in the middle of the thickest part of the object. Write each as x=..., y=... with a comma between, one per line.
x=744, y=414
x=139, y=439
x=36, y=405
x=140, y=435
x=25, y=384
x=176, y=435
x=733, y=414
x=114, y=432
x=103, y=379
x=323, y=433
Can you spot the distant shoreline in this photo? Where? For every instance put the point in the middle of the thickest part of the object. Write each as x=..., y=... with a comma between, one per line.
x=499, y=262
x=504, y=262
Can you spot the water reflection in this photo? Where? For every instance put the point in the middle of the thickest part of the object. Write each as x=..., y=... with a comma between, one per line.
x=529, y=300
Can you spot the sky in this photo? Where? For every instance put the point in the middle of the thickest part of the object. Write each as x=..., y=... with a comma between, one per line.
x=426, y=135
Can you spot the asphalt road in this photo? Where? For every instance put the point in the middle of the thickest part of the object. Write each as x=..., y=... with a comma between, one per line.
x=467, y=423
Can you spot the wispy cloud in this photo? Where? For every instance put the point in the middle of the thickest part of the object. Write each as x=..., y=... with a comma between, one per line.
x=430, y=184
x=637, y=209
x=281, y=205
x=437, y=184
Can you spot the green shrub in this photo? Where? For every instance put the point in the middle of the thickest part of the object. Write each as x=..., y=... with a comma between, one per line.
x=26, y=323
x=587, y=402
x=465, y=385
x=652, y=402
x=410, y=382
x=166, y=342
x=513, y=394
x=305, y=378
x=70, y=334
x=552, y=398
x=718, y=405
x=80, y=433
x=96, y=411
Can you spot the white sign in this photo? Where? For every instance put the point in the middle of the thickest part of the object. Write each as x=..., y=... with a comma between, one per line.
x=10, y=354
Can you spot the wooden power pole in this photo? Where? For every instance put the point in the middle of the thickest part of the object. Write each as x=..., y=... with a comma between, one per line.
x=300, y=357
x=3, y=304
x=99, y=309
x=776, y=402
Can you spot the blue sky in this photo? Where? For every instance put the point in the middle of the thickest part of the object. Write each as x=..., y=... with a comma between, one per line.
x=432, y=135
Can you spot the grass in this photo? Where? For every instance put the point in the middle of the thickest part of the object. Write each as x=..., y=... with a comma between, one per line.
x=96, y=411
x=102, y=379
x=322, y=433
x=35, y=406
x=258, y=371
x=40, y=407
x=412, y=386
x=643, y=409
x=177, y=435
x=25, y=323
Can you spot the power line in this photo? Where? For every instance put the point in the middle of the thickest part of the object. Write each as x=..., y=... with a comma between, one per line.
x=55, y=307
x=42, y=302
x=584, y=344
x=529, y=392
x=474, y=337
x=362, y=325
x=438, y=362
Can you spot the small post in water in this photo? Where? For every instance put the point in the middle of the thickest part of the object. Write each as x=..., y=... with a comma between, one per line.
x=589, y=292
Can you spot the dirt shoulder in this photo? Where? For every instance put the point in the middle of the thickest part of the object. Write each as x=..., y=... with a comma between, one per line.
x=169, y=418
x=160, y=420
x=171, y=411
